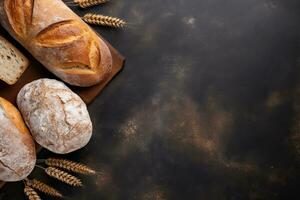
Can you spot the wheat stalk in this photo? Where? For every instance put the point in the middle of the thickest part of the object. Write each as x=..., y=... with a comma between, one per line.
x=31, y=193
x=70, y=166
x=89, y=3
x=42, y=187
x=63, y=176
x=96, y=19
x=85, y=3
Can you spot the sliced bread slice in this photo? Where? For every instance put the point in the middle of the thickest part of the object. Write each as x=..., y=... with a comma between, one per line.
x=12, y=62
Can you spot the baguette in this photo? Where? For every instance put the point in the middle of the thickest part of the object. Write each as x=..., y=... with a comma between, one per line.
x=17, y=155
x=59, y=39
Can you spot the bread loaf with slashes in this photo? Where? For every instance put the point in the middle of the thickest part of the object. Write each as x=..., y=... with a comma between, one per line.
x=59, y=39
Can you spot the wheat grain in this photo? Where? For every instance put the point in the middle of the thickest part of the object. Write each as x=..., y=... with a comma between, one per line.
x=31, y=193
x=89, y=3
x=63, y=176
x=42, y=187
x=96, y=19
x=70, y=166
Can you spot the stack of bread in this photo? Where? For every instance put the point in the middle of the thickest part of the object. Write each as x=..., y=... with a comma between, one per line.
x=50, y=113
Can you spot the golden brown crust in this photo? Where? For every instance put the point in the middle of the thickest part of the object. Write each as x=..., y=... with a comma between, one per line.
x=59, y=39
x=60, y=34
x=14, y=115
x=19, y=13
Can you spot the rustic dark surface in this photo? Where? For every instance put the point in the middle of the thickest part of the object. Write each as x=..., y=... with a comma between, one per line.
x=207, y=106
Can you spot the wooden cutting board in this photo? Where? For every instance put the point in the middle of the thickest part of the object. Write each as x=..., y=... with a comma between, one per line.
x=36, y=71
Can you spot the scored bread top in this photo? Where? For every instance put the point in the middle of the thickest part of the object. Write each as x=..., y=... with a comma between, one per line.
x=59, y=39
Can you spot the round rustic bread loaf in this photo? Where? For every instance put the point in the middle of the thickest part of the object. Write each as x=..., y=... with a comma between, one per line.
x=17, y=150
x=57, y=117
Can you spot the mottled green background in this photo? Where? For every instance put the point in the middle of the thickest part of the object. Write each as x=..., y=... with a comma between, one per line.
x=207, y=106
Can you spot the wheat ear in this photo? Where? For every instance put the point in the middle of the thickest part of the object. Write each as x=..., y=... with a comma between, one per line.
x=63, y=176
x=96, y=19
x=89, y=3
x=31, y=193
x=42, y=187
x=70, y=166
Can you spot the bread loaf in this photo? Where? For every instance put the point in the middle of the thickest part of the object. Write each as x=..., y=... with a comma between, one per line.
x=17, y=151
x=59, y=39
x=57, y=118
x=12, y=62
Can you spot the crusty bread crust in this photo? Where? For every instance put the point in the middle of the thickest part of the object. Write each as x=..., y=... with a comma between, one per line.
x=17, y=156
x=59, y=39
x=57, y=118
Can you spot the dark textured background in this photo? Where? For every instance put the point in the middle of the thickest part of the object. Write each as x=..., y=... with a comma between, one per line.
x=207, y=106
